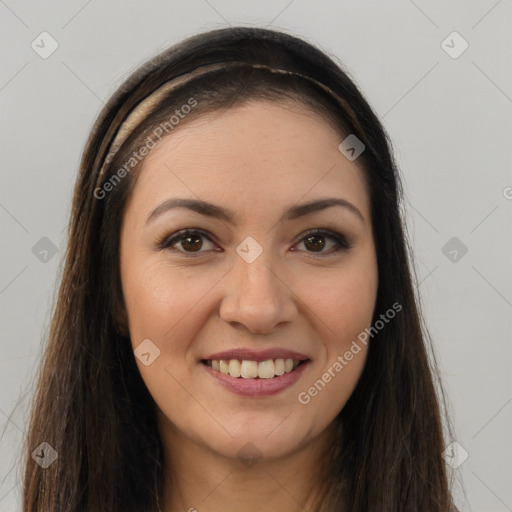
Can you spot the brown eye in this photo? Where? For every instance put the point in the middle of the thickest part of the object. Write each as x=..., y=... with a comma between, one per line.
x=317, y=240
x=314, y=243
x=187, y=241
x=192, y=243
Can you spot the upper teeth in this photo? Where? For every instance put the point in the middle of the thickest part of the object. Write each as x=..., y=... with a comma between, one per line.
x=252, y=369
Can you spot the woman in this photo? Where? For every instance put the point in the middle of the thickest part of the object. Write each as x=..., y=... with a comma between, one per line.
x=236, y=327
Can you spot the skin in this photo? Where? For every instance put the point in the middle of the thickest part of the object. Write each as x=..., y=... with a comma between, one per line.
x=257, y=159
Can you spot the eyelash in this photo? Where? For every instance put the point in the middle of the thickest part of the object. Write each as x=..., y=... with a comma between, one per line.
x=168, y=242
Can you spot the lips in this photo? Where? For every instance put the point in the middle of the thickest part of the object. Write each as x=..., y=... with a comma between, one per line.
x=257, y=355
x=256, y=373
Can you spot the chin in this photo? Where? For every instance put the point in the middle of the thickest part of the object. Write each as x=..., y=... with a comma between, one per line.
x=270, y=439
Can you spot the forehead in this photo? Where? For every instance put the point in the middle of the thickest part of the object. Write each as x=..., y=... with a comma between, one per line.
x=258, y=153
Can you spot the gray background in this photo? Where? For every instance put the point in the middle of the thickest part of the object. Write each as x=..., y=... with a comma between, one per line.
x=450, y=122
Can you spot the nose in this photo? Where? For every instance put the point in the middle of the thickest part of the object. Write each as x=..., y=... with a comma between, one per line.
x=257, y=296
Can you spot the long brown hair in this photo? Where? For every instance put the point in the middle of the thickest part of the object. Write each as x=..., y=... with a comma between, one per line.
x=91, y=404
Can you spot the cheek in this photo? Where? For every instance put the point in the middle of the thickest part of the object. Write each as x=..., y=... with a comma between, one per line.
x=159, y=299
x=344, y=303
x=343, y=299
x=345, y=314
x=167, y=306
x=333, y=385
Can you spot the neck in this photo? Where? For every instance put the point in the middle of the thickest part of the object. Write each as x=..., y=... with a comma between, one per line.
x=198, y=479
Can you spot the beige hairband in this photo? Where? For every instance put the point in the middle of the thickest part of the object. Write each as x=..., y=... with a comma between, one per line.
x=148, y=105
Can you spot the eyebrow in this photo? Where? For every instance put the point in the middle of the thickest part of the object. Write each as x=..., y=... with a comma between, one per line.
x=218, y=212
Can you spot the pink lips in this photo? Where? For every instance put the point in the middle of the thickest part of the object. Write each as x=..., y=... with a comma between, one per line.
x=258, y=387
x=257, y=355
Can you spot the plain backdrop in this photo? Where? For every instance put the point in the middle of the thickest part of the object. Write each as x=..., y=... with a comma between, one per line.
x=447, y=108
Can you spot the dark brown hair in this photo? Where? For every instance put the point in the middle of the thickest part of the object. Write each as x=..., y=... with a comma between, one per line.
x=91, y=404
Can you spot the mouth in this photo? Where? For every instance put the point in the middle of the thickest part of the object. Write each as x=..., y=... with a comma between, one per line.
x=256, y=378
x=249, y=369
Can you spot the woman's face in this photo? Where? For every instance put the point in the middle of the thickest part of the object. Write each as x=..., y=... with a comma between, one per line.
x=254, y=287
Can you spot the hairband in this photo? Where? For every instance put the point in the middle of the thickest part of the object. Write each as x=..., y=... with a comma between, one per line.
x=151, y=102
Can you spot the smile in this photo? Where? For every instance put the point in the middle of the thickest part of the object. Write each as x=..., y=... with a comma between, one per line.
x=247, y=369
x=253, y=378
